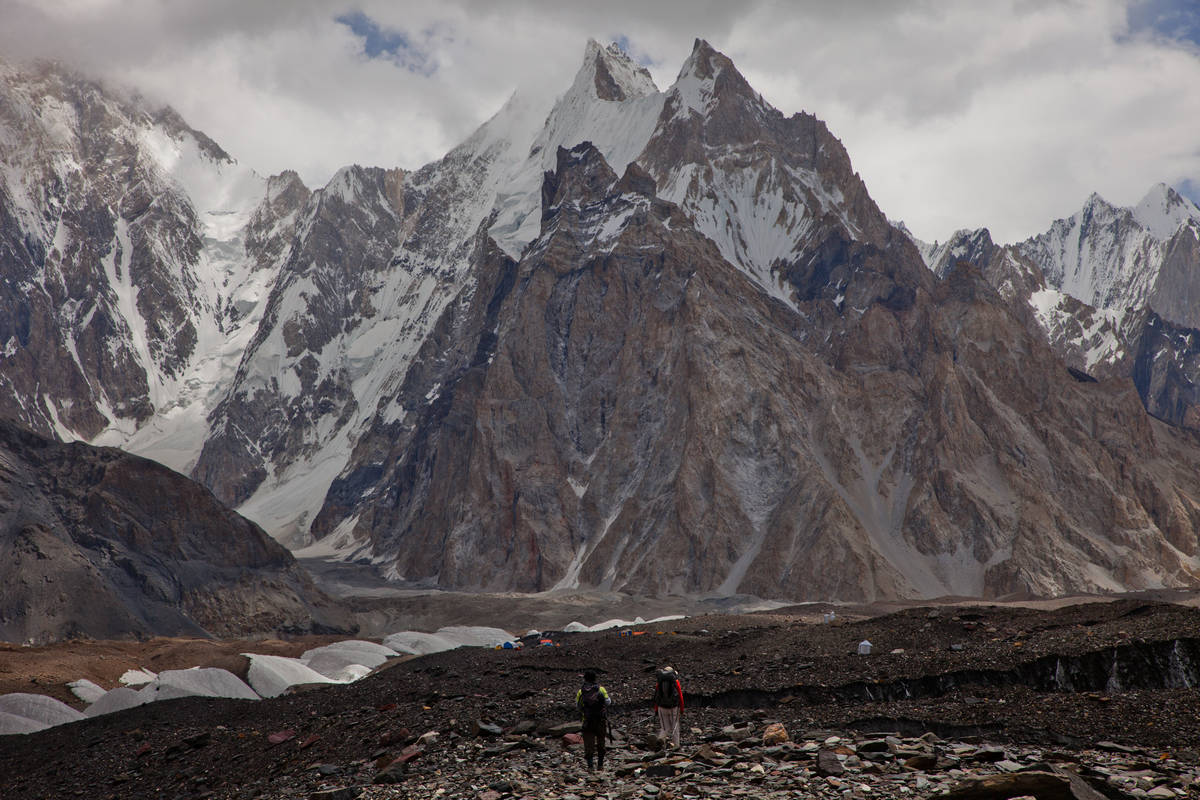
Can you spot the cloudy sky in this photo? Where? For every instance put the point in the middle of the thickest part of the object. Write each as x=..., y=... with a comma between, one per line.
x=1005, y=113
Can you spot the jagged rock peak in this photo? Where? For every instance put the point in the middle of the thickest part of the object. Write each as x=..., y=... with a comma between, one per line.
x=357, y=184
x=286, y=181
x=173, y=123
x=608, y=73
x=1163, y=211
x=707, y=77
x=580, y=173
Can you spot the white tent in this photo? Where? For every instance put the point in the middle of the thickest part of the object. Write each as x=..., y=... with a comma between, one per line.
x=86, y=690
x=271, y=676
x=447, y=638
x=197, y=682
x=117, y=699
x=336, y=660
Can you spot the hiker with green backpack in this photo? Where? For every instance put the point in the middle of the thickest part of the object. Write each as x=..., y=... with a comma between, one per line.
x=592, y=700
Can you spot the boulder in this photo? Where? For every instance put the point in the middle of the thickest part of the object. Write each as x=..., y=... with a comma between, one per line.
x=775, y=733
x=829, y=764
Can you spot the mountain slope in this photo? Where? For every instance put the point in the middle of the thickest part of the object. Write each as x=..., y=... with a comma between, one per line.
x=1111, y=288
x=98, y=543
x=377, y=257
x=125, y=265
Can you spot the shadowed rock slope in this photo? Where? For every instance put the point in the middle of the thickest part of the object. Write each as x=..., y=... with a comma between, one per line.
x=98, y=543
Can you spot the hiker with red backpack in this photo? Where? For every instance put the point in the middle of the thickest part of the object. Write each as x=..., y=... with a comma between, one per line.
x=592, y=700
x=668, y=702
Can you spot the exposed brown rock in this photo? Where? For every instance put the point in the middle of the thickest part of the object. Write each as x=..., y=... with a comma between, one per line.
x=645, y=416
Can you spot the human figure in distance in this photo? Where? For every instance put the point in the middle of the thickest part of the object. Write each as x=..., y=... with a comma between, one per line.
x=668, y=702
x=592, y=700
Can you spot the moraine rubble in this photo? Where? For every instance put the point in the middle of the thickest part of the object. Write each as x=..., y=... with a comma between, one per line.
x=953, y=702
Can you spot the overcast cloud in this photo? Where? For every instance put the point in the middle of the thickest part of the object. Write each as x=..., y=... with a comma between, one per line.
x=998, y=114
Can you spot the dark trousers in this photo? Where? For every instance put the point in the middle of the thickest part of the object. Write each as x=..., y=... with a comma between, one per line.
x=593, y=743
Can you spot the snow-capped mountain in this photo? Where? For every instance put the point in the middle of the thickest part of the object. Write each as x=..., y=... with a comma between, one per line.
x=1119, y=258
x=639, y=402
x=122, y=232
x=1113, y=289
x=658, y=341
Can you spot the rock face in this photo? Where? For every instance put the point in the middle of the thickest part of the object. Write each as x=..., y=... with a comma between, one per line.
x=98, y=543
x=376, y=259
x=134, y=257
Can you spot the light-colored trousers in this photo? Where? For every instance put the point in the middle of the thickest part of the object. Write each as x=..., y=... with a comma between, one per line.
x=668, y=724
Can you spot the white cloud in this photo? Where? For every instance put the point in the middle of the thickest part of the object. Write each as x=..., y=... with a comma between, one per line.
x=1004, y=114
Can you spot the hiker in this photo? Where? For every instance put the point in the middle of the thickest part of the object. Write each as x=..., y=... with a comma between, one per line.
x=668, y=702
x=592, y=700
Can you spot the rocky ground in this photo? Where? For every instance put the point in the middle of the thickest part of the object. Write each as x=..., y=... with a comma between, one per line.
x=1095, y=700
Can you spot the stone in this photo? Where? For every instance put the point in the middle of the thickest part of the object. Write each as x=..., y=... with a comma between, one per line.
x=500, y=749
x=708, y=755
x=989, y=753
x=828, y=764
x=737, y=733
x=397, y=736
x=921, y=761
x=1043, y=785
x=393, y=773
x=775, y=733
x=343, y=793
x=487, y=729
x=410, y=753
x=653, y=741
x=279, y=737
